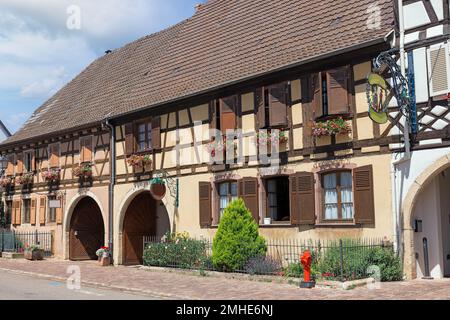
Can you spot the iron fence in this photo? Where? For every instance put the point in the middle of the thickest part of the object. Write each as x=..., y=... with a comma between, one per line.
x=18, y=241
x=342, y=260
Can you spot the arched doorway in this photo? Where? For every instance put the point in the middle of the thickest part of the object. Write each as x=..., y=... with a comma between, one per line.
x=87, y=230
x=139, y=221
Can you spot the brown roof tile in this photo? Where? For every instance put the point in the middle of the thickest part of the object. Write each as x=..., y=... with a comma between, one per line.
x=225, y=41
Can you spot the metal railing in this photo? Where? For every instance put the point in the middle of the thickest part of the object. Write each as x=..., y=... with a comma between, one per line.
x=18, y=241
x=342, y=260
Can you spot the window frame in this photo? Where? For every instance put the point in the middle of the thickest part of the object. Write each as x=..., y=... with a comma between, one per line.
x=82, y=160
x=266, y=212
x=49, y=210
x=339, y=196
x=49, y=150
x=26, y=211
x=9, y=211
x=29, y=153
x=229, y=194
x=148, y=135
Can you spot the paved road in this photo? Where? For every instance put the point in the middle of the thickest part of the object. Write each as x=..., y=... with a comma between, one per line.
x=24, y=287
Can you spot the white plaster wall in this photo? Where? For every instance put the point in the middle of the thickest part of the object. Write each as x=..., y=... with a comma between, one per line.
x=444, y=181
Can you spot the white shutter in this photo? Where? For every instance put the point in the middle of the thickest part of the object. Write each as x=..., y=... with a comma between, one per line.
x=438, y=63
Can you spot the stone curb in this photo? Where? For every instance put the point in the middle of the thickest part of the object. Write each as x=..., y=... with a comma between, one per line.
x=102, y=285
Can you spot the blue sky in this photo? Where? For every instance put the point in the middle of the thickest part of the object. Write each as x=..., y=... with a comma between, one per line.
x=39, y=53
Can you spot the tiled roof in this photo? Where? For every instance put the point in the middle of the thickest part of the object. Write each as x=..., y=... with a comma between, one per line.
x=225, y=41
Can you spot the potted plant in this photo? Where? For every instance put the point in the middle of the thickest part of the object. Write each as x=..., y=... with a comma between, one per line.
x=51, y=175
x=220, y=145
x=331, y=127
x=264, y=137
x=158, y=188
x=83, y=171
x=34, y=252
x=6, y=182
x=25, y=179
x=104, y=256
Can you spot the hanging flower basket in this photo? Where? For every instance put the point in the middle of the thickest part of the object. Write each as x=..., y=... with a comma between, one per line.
x=51, y=175
x=6, y=182
x=25, y=179
x=83, y=171
x=139, y=161
x=273, y=138
x=158, y=188
x=331, y=127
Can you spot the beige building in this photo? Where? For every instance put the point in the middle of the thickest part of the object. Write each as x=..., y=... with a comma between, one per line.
x=145, y=111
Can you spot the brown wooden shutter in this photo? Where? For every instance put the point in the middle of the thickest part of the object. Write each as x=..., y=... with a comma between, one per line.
x=33, y=160
x=260, y=108
x=156, y=133
x=54, y=155
x=33, y=211
x=228, y=111
x=364, y=200
x=19, y=167
x=205, y=205
x=86, y=149
x=18, y=212
x=42, y=206
x=337, y=86
x=13, y=213
x=302, y=199
x=317, y=94
x=130, y=140
x=248, y=191
x=10, y=166
x=278, y=100
x=59, y=211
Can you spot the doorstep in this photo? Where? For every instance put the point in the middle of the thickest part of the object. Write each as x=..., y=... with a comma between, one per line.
x=11, y=255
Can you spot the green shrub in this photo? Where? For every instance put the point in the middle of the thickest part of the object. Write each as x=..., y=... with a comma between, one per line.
x=178, y=251
x=237, y=239
x=389, y=263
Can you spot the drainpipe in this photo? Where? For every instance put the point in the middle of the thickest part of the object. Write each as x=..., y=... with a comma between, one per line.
x=112, y=165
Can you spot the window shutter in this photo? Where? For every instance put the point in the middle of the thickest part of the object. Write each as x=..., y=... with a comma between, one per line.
x=316, y=83
x=33, y=211
x=205, y=204
x=438, y=64
x=33, y=160
x=42, y=206
x=86, y=149
x=364, y=201
x=248, y=191
x=59, y=211
x=156, y=133
x=228, y=111
x=10, y=166
x=260, y=108
x=130, y=140
x=302, y=199
x=278, y=100
x=337, y=87
x=54, y=155
x=19, y=169
x=18, y=213
x=13, y=213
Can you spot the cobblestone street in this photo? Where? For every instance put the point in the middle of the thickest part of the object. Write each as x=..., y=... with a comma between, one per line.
x=181, y=286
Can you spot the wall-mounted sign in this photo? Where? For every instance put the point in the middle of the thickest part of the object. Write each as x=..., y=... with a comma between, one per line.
x=54, y=204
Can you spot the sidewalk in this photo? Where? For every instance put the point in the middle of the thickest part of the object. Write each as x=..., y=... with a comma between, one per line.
x=172, y=285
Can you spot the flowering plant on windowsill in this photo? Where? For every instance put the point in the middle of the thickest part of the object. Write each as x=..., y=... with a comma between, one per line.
x=25, y=179
x=139, y=161
x=83, y=171
x=273, y=137
x=331, y=127
x=51, y=175
x=6, y=182
x=219, y=145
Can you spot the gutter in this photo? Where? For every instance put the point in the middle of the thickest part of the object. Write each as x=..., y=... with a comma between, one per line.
x=112, y=183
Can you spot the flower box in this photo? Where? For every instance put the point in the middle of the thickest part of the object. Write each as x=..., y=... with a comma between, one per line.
x=33, y=253
x=6, y=182
x=83, y=171
x=139, y=161
x=331, y=127
x=25, y=179
x=218, y=146
x=269, y=137
x=51, y=175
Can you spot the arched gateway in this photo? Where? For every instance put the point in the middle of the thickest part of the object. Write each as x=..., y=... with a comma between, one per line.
x=87, y=230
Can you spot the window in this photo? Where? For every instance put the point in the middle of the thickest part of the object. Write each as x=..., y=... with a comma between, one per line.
x=8, y=212
x=324, y=94
x=51, y=211
x=28, y=161
x=26, y=210
x=86, y=149
x=275, y=105
x=278, y=199
x=144, y=136
x=338, y=195
x=227, y=193
x=10, y=166
x=331, y=95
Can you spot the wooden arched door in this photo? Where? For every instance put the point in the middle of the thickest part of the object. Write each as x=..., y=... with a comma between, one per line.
x=87, y=231
x=139, y=221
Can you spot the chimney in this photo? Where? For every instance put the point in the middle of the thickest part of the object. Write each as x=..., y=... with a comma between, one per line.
x=108, y=51
x=198, y=6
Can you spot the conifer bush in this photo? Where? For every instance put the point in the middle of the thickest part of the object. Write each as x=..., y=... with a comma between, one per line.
x=237, y=239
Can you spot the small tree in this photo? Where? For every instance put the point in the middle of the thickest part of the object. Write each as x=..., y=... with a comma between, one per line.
x=237, y=239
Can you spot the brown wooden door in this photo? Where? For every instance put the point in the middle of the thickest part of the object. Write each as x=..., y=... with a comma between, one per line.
x=140, y=221
x=87, y=231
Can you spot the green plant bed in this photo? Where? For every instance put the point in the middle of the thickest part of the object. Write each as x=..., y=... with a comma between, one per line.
x=178, y=251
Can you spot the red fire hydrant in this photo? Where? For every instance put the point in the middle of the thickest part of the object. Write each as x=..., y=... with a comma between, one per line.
x=306, y=261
